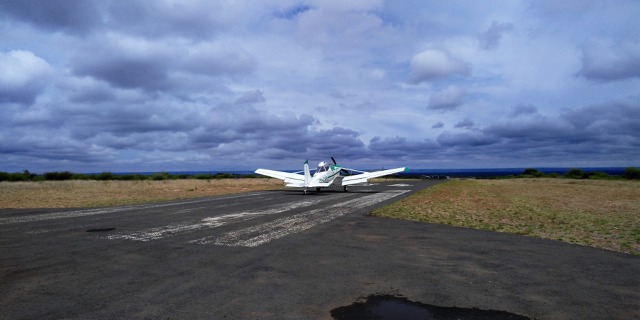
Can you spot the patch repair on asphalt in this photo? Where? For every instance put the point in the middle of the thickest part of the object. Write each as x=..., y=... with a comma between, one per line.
x=398, y=307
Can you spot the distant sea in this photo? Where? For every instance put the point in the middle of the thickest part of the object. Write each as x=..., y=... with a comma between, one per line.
x=461, y=173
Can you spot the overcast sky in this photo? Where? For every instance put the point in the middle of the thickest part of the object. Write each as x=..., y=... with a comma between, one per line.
x=92, y=86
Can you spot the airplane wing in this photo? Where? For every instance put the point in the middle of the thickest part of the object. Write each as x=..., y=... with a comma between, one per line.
x=291, y=179
x=365, y=176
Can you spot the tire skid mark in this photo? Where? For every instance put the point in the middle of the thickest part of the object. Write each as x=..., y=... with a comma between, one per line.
x=209, y=222
x=65, y=226
x=266, y=232
x=91, y=212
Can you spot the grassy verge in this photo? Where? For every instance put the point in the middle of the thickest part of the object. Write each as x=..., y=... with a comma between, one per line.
x=603, y=214
x=82, y=193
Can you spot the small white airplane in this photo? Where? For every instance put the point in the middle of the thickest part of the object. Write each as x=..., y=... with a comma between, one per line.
x=326, y=175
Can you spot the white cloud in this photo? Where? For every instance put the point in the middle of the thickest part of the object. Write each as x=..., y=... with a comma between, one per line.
x=23, y=76
x=433, y=64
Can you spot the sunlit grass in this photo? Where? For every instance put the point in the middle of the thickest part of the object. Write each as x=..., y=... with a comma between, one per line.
x=603, y=214
x=91, y=193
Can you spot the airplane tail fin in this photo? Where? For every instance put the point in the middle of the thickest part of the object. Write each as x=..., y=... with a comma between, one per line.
x=307, y=173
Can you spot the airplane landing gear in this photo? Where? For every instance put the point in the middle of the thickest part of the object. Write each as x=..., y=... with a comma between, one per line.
x=346, y=188
x=304, y=191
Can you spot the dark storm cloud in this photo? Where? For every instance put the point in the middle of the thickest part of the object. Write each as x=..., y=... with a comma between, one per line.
x=240, y=122
x=466, y=139
x=522, y=109
x=617, y=119
x=127, y=72
x=193, y=20
x=126, y=62
x=75, y=16
x=27, y=141
x=610, y=61
x=336, y=141
x=313, y=144
x=590, y=133
x=251, y=97
x=490, y=39
x=400, y=147
x=465, y=123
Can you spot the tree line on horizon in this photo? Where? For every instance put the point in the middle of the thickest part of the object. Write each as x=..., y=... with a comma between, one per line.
x=630, y=173
x=25, y=175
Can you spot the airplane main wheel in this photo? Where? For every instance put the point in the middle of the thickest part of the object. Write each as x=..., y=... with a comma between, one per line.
x=346, y=188
x=317, y=189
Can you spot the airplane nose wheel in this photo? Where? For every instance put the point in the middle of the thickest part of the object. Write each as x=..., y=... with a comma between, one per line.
x=304, y=191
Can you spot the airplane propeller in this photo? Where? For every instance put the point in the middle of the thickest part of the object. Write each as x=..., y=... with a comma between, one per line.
x=346, y=172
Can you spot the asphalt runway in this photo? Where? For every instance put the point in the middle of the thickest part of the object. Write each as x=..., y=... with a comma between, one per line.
x=283, y=255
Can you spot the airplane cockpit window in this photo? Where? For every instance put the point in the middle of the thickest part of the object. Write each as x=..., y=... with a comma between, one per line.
x=322, y=167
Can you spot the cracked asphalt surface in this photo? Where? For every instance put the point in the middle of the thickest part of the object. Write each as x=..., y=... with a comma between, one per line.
x=282, y=255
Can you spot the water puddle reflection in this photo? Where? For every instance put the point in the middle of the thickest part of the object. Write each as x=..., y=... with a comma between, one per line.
x=396, y=307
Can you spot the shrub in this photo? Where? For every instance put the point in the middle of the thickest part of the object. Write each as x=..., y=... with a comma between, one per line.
x=58, y=176
x=574, y=174
x=81, y=176
x=105, y=176
x=632, y=173
x=597, y=175
x=204, y=176
x=530, y=172
x=161, y=176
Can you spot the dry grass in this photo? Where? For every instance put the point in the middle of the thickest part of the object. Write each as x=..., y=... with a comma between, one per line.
x=604, y=214
x=81, y=193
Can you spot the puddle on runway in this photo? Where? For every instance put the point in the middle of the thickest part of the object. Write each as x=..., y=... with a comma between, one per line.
x=396, y=307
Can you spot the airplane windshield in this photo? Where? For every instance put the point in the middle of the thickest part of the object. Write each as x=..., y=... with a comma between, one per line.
x=322, y=167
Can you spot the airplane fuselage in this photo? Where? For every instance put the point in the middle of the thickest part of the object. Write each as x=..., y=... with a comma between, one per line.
x=326, y=176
